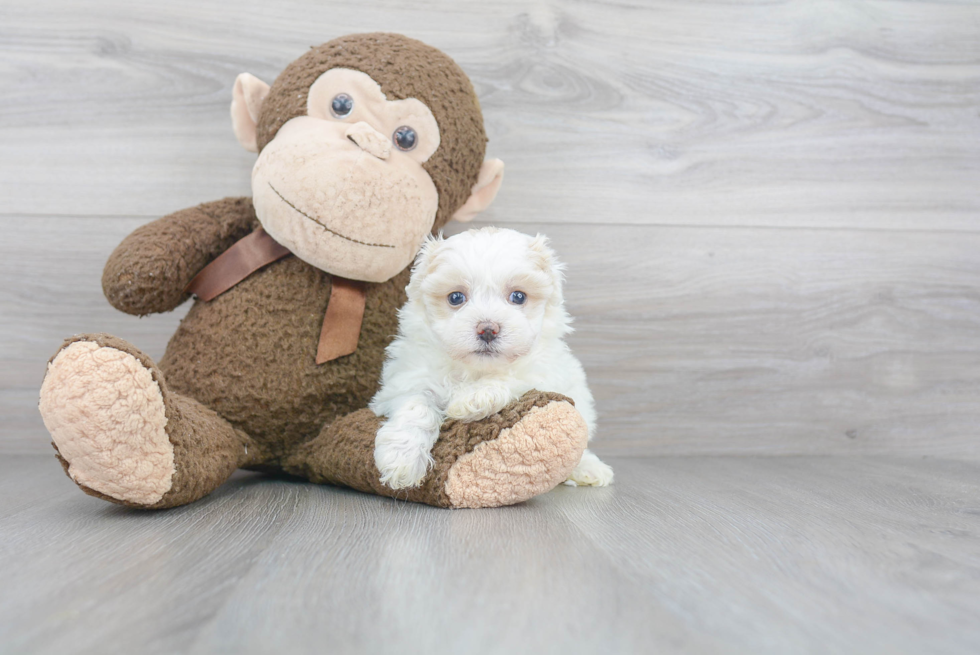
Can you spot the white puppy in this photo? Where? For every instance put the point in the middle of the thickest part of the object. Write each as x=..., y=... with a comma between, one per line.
x=484, y=323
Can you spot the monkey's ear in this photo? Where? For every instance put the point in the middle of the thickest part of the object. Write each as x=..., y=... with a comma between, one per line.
x=246, y=101
x=484, y=191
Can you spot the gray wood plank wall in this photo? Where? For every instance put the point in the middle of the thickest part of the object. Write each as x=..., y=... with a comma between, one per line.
x=769, y=210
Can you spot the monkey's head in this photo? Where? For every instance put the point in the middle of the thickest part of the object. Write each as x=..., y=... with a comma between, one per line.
x=366, y=144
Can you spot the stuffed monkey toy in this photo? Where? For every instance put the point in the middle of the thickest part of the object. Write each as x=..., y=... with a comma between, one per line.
x=365, y=145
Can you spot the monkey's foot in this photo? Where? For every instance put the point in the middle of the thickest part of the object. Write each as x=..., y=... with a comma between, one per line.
x=528, y=448
x=530, y=457
x=123, y=436
x=107, y=418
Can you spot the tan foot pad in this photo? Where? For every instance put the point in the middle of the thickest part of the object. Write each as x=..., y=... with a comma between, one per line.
x=106, y=415
x=535, y=455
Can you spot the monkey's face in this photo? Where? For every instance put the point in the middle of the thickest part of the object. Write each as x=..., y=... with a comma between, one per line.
x=343, y=187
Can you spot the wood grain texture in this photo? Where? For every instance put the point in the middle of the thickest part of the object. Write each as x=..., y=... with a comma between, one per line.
x=755, y=263
x=695, y=340
x=760, y=555
x=833, y=114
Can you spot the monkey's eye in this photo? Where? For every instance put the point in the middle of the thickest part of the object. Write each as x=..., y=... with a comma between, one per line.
x=405, y=138
x=457, y=298
x=341, y=105
x=518, y=297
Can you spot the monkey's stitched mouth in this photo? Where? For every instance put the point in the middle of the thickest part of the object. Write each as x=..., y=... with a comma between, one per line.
x=333, y=232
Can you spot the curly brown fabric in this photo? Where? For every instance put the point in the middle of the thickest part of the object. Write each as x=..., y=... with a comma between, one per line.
x=250, y=354
x=343, y=454
x=148, y=272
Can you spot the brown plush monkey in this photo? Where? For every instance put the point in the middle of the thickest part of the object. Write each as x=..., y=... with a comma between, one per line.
x=366, y=144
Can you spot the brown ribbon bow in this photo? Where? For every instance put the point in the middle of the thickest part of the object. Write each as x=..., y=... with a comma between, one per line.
x=345, y=311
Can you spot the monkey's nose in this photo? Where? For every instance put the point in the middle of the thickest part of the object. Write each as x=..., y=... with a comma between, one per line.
x=369, y=139
x=487, y=331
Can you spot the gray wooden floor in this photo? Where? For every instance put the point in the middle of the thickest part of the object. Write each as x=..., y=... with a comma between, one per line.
x=683, y=554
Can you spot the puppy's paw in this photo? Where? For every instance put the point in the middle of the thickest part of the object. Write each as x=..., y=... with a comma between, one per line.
x=467, y=412
x=402, y=458
x=475, y=404
x=590, y=472
x=401, y=469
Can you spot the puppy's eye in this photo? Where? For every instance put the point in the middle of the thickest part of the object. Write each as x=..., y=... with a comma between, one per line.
x=518, y=297
x=457, y=298
x=405, y=138
x=341, y=105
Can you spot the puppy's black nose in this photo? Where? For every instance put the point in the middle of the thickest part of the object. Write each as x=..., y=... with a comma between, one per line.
x=487, y=331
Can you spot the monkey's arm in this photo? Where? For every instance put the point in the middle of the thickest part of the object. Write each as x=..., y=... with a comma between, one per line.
x=148, y=271
x=528, y=448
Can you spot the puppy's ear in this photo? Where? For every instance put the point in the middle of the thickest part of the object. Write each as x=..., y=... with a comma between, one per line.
x=544, y=258
x=425, y=262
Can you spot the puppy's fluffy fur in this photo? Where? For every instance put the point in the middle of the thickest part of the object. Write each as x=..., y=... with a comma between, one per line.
x=468, y=346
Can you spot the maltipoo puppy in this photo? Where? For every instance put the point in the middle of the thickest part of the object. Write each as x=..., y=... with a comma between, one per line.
x=484, y=323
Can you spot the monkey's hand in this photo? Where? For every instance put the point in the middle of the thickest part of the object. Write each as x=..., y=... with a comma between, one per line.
x=148, y=272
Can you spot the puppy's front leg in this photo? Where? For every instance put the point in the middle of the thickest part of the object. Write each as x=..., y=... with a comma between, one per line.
x=402, y=447
x=477, y=401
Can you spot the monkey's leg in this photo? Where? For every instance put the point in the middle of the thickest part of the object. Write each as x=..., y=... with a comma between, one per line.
x=528, y=448
x=121, y=435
